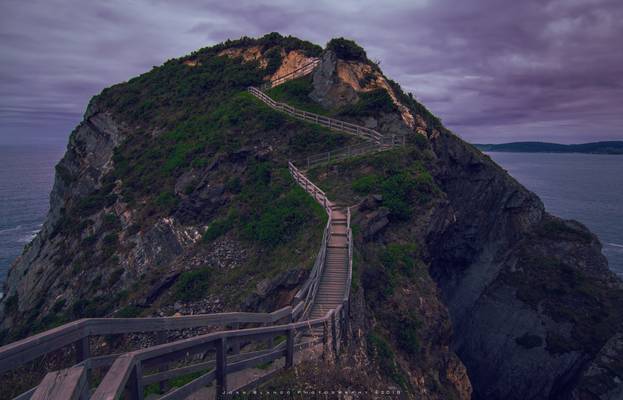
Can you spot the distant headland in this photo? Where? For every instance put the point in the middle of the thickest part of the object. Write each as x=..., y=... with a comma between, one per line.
x=610, y=147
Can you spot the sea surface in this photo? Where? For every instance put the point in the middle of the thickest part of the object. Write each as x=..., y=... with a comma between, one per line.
x=26, y=177
x=584, y=187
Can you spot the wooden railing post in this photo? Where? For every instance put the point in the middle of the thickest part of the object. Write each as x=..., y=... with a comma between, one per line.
x=221, y=367
x=136, y=382
x=325, y=339
x=290, y=348
x=334, y=333
x=161, y=338
x=83, y=351
x=270, y=340
x=235, y=346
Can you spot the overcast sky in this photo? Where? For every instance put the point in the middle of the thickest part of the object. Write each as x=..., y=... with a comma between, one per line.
x=492, y=70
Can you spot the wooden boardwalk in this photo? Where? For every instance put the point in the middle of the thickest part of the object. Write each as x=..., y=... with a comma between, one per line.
x=332, y=285
x=315, y=322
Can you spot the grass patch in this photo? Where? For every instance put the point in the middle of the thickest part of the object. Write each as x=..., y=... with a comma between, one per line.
x=192, y=285
x=380, y=350
x=296, y=94
x=372, y=103
x=129, y=312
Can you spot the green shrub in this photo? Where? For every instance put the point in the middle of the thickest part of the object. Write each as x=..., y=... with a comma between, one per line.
x=347, y=49
x=233, y=185
x=371, y=103
x=166, y=200
x=89, y=241
x=93, y=308
x=58, y=305
x=554, y=227
x=279, y=221
x=129, y=312
x=11, y=303
x=192, y=285
x=92, y=203
x=407, y=335
x=115, y=276
x=110, y=240
x=217, y=228
x=365, y=184
x=397, y=190
x=273, y=56
x=297, y=94
x=379, y=349
x=400, y=258
x=111, y=222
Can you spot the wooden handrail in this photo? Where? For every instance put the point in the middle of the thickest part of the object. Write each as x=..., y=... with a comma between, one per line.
x=17, y=353
x=353, y=150
x=297, y=73
x=331, y=123
x=125, y=367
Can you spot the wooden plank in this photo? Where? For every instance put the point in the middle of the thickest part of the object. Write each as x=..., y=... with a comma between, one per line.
x=25, y=350
x=27, y=395
x=102, y=361
x=66, y=384
x=255, y=361
x=191, y=387
x=114, y=381
x=290, y=348
x=257, y=382
x=221, y=366
x=173, y=373
x=135, y=382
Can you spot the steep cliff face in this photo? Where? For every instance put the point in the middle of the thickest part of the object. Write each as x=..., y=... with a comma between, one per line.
x=173, y=196
x=78, y=174
x=530, y=294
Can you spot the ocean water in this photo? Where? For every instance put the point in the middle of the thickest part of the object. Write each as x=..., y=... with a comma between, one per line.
x=26, y=177
x=584, y=187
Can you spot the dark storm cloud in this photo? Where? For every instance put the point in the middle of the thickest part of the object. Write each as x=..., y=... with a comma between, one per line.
x=492, y=70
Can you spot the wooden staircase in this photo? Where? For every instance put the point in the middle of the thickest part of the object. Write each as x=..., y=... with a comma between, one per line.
x=332, y=287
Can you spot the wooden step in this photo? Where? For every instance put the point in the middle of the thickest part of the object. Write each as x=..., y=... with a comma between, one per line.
x=338, y=294
x=331, y=290
x=334, y=279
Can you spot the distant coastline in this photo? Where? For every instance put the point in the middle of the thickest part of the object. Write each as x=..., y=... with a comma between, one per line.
x=610, y=147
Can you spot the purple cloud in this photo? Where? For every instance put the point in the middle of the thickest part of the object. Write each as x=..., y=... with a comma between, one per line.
x=493, y=70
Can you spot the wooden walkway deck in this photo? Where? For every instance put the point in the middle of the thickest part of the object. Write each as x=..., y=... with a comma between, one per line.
x=332, y=285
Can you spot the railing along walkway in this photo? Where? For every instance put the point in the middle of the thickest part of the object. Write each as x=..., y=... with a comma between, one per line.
x=297, y=73
x=331, y=123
